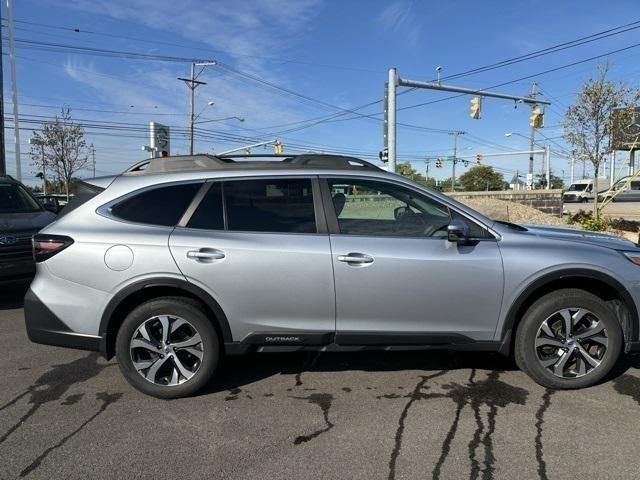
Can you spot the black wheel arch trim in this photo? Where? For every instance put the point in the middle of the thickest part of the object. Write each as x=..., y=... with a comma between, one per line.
x=220, y=317
x=525, y=295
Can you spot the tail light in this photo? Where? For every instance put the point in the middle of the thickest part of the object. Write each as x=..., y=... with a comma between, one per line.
x=46, y=246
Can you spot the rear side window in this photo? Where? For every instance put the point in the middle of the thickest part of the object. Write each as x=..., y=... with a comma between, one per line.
x=273, y=205
x=209, y=215
x=160, y=206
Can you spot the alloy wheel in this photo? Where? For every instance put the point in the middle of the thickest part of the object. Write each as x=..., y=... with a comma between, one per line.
x=571, y=342
x=166, y=350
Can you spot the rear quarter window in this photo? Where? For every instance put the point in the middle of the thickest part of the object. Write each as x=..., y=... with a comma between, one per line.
x=163, y=206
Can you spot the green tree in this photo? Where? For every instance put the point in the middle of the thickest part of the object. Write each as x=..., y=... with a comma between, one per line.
x=541, y=181
x=587, y=123
x=406, y=170
x=482, y=177
x=60, y=148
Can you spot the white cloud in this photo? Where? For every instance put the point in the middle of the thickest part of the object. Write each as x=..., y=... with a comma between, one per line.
x=249, y=30
x=399, y=17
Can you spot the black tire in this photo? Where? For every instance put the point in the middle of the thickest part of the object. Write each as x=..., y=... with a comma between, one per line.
x=192, y=312
x=526, y=354
x=584, y=200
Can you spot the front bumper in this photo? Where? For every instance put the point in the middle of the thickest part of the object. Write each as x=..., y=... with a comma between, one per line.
x=43, y=326
x=19, y=270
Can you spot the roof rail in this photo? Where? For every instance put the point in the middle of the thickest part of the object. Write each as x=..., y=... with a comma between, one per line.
x=183, y=163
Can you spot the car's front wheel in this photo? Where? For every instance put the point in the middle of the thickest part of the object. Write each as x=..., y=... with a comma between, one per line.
x=568, y=339
x=167, y=347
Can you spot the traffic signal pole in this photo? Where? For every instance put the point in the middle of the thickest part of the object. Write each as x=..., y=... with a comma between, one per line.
x=396, y=81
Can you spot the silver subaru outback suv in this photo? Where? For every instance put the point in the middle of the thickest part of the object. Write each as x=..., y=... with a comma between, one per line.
x=182, y=260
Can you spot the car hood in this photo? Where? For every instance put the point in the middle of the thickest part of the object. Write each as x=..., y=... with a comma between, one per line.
x=583, y=236
x=25, y=222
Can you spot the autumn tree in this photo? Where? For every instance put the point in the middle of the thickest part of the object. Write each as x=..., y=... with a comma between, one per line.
x=60, y=148
x=587, y=122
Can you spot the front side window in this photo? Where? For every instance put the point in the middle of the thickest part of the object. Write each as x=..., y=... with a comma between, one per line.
x=376, y=208
x=271, y=205
x=163, y=206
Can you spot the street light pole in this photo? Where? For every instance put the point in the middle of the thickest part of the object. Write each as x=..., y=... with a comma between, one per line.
x=3, y=160
x=39, y=142
x=391, y=113
x=14, y=87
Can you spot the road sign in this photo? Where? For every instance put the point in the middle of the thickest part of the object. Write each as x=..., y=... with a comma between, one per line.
x=625, y=129
x=159, y=139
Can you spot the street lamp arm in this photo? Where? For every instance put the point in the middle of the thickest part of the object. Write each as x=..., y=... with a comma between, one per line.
x=240, y=119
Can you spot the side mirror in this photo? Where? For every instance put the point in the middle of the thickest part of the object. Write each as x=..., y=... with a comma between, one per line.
x=458, y=231
x=52, y=207
x=400, y=212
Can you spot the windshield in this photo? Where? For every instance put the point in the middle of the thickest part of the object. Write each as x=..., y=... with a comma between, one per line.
x=578, y=187
x=15, y=199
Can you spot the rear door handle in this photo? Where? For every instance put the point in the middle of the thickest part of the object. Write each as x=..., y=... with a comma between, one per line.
x=205, y=255
x=355, y=258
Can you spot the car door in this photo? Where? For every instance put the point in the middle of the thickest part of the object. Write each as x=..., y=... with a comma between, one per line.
x=398, y=279
x=259, y=246
x=633, y=193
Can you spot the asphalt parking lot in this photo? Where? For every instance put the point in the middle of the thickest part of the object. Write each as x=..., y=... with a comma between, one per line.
x=70, y=414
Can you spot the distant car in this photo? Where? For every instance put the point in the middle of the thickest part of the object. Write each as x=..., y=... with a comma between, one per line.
x=21, y=216
x=53, y=202
x=622, y=191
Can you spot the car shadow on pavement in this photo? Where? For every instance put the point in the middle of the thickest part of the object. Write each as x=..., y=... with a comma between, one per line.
x=12, y=297
x=239, y=371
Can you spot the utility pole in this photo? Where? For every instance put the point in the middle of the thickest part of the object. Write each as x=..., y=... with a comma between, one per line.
x=547, y=155
x=14, y=86
x=427, y=168
x=532, y=137
x=93, y=158
x=3, y=160
x=455, y=134
x=572, y=161
x=391, y=114
x=613, y=168
x=192, y=83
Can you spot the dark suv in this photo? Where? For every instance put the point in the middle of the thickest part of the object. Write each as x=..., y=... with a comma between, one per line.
x=21, y=216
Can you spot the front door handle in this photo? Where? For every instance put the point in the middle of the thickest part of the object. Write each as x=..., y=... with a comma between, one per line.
x=355, y=258
x=205, y=255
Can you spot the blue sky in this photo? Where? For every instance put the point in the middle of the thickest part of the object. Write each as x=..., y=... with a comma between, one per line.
x=335, y=52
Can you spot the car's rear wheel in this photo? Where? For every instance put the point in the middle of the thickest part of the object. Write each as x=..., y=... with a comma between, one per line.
x=167, y=347
x=568, y=339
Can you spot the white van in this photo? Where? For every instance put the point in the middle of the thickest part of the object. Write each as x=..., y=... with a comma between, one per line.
x=580, y=191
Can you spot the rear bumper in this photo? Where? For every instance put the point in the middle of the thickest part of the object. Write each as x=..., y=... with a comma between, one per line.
x=43, y=326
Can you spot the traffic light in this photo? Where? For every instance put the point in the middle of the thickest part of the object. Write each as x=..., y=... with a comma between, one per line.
x=479, y=159
x=536, y=120
x=439, y=163
x=476, y=105
x=384, y=155
x=278, y=148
